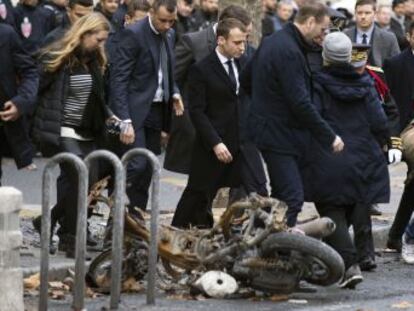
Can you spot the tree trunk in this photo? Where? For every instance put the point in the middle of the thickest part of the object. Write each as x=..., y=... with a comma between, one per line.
x=255, y=9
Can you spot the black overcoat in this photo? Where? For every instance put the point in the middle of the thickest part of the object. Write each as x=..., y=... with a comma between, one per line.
x=399, y=72
x=215, y=111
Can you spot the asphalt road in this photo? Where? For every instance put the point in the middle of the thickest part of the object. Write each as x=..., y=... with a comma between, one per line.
x=391, y=287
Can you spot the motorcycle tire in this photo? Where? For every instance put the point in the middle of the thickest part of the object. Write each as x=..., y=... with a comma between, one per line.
x=95, y=273
x=323, y=265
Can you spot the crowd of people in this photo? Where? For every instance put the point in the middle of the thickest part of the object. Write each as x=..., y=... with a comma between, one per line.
x=315, y=113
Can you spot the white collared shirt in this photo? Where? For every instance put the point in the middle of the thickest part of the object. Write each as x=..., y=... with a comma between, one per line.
x=159, y=93
x=223, y=60
x=359, y=36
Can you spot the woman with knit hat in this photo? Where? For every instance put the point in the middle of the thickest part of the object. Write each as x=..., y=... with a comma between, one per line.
x=339, y=183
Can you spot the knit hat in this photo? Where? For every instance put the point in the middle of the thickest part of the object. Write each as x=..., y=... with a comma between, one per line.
x=337, y=48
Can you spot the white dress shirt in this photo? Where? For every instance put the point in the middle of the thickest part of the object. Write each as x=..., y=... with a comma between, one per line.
x=223, y=59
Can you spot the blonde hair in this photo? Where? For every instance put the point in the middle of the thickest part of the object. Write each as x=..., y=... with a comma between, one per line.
x=62, y=51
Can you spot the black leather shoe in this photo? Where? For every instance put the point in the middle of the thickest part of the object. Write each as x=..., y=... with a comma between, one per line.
x=367, y=264
x=67, y=244
x=395, y=244
x=374, y=211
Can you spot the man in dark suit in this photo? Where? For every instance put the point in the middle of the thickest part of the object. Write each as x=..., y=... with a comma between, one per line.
x=75, y=10
x=18, y=89
x=282, y=116
x=190, y=49
x=383, y=43
x=143, y=92
x=397, y=23
x=216, y=109
x=399, y=72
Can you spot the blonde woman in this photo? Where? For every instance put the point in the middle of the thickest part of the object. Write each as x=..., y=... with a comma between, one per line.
x=71, y=111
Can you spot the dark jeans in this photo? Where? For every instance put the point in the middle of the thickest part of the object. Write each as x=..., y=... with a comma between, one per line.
x=286, y=182
x=404, y=212
x=65, y=210
x=340, y=239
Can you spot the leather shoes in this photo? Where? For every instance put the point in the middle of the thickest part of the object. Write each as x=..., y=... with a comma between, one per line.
x=374, y=211
x=367, y=264
x=395, y=244
x=67, y=244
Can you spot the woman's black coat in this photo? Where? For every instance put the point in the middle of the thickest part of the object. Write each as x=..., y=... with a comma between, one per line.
x=348, y=102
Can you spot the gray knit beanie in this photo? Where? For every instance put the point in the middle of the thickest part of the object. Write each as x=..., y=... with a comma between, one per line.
x=337, y=48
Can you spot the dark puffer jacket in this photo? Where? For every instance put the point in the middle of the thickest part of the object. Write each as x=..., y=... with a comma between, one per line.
x=53, y=91
x=359, y=174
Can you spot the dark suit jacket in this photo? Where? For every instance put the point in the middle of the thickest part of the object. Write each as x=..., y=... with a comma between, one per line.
x=383, y=45
x=215, y=111
x=399, y=32
x=399, y=72
x=134, y=72
x=19, y=82
x=192, y=48
x=278, y=80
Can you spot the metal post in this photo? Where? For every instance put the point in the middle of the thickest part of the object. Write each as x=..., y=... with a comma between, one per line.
x=118, y=227
x=155, y=200
x=79, y=287
x=11, y=276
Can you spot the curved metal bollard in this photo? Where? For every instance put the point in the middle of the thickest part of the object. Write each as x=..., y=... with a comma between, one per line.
x=78, y=299
x=118, y=227
x=155, y=200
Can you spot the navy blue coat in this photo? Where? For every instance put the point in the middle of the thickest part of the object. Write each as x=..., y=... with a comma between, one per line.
x=359, y=174
x=19, y=82
x=278, y=80
x=134, y=72
x=9, y=13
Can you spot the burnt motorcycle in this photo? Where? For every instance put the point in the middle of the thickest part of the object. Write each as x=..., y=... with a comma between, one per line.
x=250, y=242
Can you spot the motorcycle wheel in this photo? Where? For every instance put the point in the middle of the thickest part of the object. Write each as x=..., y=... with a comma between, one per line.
x=321, y=264
x=99, y=272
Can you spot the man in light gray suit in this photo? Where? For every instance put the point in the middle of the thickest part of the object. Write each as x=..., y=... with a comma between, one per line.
x=384, y=44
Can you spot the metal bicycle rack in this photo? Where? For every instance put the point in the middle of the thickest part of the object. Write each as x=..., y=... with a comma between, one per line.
x=118, y=226
x=80, y=167
x=155, y=201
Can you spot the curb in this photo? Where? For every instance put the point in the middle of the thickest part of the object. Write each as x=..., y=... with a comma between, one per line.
x=57, y=271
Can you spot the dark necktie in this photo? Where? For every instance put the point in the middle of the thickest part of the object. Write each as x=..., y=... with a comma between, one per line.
x=364, y=38
x=164, y=69
x=232, y=76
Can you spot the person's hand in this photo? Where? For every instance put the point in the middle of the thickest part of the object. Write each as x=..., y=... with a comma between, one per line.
x=178, y=106
x=10, y=112
x=222, y=153
x=127, y=135
x=338, y=144
x=394, y=156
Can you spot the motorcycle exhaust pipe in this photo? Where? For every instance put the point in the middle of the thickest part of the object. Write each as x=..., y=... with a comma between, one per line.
x=318, y=228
